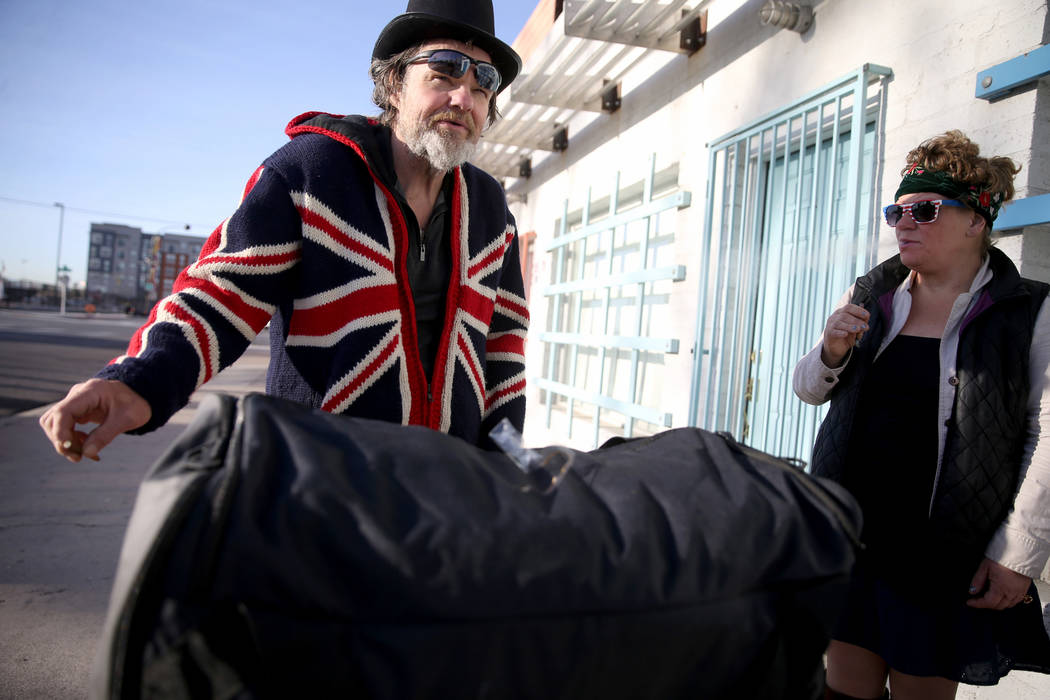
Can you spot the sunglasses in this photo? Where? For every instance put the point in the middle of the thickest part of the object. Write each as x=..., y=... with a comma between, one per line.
x=455, y=64
x=923, y=212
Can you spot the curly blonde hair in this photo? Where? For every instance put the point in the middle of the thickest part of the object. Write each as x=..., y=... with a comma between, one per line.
x=953, y=153
x=983, y=184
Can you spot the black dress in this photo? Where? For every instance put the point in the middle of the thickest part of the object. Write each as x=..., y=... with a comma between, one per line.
x=908, y=597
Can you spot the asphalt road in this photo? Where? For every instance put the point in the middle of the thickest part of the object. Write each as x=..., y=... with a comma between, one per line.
x=61, y=524
x=42, y=354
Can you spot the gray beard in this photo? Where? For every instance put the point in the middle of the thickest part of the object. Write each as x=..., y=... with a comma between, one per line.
x=442, y=152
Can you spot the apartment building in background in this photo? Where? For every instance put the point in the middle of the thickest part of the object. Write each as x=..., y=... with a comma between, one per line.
x=174, y=253
x=129, y=269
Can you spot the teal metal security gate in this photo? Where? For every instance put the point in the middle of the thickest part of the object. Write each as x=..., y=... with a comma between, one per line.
x=789, y=226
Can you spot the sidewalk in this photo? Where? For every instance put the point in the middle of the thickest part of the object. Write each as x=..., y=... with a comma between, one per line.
x=61, y=527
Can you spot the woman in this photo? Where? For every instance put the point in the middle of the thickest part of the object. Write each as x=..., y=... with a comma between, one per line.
x=936, y=365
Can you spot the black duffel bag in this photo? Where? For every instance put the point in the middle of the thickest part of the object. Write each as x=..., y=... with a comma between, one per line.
x=276, y=551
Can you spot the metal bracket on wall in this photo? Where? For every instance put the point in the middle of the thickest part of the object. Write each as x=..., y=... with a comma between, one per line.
x=1000, y=81
x=693, y=36
x=560, y=142
x=611, y=97
x=1030, y=211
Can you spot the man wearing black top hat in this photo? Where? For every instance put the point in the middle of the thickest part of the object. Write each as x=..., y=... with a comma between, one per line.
x=386, y=265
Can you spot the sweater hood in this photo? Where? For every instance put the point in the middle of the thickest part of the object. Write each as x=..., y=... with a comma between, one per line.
x=364, y=134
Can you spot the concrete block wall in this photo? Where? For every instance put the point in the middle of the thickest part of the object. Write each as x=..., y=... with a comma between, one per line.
x=675, y=105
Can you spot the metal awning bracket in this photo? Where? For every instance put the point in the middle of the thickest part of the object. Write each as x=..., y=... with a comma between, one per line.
x=693, y=36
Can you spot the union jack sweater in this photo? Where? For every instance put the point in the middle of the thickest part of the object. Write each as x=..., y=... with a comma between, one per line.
x=318, y=245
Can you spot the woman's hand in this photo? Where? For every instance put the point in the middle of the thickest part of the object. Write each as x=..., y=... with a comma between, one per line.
x=844, y=328
x=997, y=588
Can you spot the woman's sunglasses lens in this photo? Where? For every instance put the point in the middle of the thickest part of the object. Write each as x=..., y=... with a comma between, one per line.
x=921, y=212
x=893, y=214
x=924, y=212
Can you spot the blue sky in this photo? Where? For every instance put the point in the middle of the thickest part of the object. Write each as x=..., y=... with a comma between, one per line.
x=153, y=113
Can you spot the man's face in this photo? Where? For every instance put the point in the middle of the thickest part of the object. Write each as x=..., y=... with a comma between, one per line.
x=439, y=117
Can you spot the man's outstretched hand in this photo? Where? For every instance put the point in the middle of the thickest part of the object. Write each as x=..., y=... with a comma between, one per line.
x=113, y=405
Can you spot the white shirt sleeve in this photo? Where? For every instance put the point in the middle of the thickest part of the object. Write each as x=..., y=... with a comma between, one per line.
x=812, y=379
x=1022, y=542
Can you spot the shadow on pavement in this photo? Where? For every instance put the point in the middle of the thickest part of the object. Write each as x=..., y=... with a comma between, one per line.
x=39, y=369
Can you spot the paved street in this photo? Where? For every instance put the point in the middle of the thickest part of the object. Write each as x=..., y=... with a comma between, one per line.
x=61, y=524
x=42, y=354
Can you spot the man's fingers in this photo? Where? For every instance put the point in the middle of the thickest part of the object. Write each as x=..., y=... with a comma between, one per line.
x=73, y=449
x=113, y=405
x=104, y=434
x=77, y=406
x=60, y=434
x=124, y=410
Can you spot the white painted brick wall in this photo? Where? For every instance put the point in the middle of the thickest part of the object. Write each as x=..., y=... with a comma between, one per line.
x=675, y=106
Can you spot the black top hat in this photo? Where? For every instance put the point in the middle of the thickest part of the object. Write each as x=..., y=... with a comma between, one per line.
x=461, y=20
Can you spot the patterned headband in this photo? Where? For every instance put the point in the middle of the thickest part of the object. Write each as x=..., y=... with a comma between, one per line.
x=983, y=201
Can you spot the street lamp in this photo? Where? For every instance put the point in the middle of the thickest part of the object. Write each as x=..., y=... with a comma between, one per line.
x=58, y=253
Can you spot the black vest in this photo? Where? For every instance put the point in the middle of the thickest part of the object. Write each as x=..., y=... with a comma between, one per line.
x=975, y=486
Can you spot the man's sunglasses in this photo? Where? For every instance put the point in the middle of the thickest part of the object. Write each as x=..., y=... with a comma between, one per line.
x=923, y=212
x=455, y=64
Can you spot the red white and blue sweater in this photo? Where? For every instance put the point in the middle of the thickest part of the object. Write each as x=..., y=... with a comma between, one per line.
x=319, y=245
